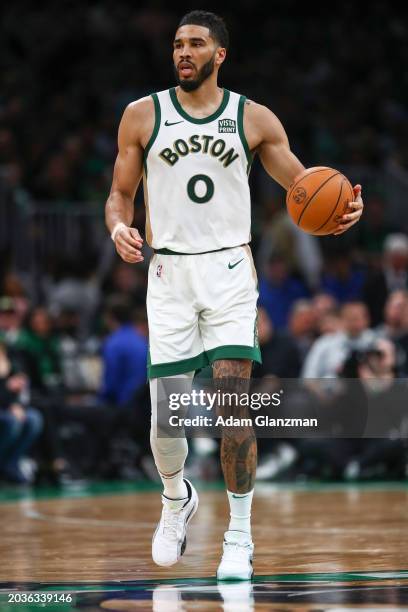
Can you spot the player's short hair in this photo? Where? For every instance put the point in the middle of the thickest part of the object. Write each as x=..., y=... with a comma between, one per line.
x=214, y=23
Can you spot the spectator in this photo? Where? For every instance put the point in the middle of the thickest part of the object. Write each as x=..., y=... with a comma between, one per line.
x=74, y=290
x=329, y=323
x=41, y=346
x=373, y=229
x=402, y=345
x=366, y=399
x=327, y=320
x=278, y=290
x=302, y=326
x=280, y=359
x=392, y=276
x=330, y=350
x=386, y=399
x=300, y=251
x=395, y=326
x=124, y=355
x=280, y=355
x=342, y=279
x=13, y=288
x=324, y=303
x=19, y=425
x=128, y=281
x=10, y=321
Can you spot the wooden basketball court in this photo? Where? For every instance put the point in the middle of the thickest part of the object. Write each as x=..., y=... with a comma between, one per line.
x=317, y=548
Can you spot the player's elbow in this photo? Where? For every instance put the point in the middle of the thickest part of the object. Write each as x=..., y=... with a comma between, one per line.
x=119, y=195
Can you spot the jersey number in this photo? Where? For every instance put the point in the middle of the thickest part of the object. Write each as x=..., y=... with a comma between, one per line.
x=209, y=188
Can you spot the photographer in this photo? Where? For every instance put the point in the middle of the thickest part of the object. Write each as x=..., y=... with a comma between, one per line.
x=385, y=398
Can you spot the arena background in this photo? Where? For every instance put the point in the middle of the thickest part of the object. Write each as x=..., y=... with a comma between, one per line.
x=335, y=78
x=79, y=494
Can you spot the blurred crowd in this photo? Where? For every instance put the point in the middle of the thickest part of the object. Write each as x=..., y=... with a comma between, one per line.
x=73, y=338
x=73, y=391
x=66, y=76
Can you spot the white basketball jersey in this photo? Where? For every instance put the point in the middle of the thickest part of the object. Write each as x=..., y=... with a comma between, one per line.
x=196, y=177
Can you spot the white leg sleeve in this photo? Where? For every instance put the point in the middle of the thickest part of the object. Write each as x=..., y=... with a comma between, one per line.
x=169, y=453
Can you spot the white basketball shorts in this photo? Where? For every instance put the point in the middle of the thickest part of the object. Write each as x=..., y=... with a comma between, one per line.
x=201, y=308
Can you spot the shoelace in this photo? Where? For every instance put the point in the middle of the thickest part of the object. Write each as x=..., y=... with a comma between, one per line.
x=234, y=548
x=171, y=520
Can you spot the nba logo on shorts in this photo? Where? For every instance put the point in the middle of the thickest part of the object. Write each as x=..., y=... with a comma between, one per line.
x=159, y=270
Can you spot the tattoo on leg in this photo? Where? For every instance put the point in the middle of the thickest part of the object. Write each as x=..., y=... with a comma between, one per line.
x=233, y=368
x=238, y=460
x=238, y=445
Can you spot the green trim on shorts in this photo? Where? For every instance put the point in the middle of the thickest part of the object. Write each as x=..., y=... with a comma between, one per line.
x=172, y=368
x=256, y=337
x=157, y=121
x=235, y=351
x=230, y=351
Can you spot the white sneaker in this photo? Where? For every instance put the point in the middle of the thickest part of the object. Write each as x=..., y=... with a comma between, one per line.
x=236, y=562
x=169, y=539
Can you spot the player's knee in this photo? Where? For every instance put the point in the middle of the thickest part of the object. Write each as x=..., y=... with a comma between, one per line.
x=169, y=453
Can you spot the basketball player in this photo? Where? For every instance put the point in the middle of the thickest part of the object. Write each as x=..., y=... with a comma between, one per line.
x=194, y=145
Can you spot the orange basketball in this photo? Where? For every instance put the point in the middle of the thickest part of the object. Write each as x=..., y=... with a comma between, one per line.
x=317, y=199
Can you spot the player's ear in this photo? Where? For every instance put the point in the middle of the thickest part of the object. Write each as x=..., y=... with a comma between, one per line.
x=220, y=56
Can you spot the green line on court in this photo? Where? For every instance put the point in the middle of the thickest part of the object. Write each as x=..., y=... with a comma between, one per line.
x=84, y=590
x=81, y=489
x=134, y=585
x=90, y=489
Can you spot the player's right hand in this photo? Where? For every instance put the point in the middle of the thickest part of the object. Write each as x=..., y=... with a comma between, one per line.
x=128, y=244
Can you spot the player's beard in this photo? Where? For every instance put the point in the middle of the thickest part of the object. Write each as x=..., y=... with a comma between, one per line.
x=203, y=74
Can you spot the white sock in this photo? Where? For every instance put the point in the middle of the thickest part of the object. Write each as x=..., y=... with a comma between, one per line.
x=174, y=486
x=240, y=511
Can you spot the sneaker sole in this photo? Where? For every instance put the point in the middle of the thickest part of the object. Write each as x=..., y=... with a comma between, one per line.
x=236, y=578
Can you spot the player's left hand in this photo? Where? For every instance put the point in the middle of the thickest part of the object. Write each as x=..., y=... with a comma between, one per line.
x=353, y=214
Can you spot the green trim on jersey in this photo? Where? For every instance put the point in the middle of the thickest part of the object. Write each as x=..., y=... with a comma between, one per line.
x=157, y=121
x=230, y=351
x=241, y=106
x=188, y=117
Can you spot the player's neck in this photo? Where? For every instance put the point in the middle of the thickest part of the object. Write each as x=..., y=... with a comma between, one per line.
x=203, y=101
